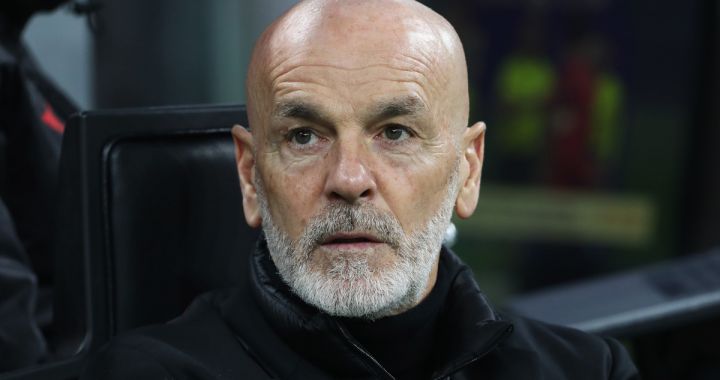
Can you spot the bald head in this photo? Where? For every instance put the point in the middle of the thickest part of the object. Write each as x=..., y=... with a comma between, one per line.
x=359, y=34
x=358, y=105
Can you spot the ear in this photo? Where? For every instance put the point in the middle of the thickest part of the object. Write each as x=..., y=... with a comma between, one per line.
x=245, y=161
x=471, y=170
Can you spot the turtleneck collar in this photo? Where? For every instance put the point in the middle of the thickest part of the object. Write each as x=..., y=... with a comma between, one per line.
x=404, y=343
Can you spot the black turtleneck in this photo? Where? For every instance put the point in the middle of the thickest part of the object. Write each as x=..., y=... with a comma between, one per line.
x=258, y=332
x=403, y=343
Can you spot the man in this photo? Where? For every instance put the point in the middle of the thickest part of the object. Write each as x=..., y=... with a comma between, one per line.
x=358, y=154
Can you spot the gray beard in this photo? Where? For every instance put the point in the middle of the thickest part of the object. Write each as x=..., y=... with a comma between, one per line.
x=350, y=287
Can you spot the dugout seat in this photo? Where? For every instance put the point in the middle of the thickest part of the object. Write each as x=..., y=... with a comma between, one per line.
x=150, y=217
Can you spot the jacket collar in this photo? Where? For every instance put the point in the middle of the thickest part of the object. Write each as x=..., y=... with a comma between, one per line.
x=469, y=328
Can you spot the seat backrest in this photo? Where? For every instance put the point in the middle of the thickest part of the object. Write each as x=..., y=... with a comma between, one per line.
x=154, y=216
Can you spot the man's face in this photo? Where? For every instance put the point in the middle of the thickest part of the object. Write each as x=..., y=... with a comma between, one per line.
x=356, y=170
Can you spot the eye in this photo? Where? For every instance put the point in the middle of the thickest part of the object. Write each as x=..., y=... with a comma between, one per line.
x=396, y=132
x=302, y=136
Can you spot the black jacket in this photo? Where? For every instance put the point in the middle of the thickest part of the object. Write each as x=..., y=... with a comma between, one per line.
x=32, y=116
x=262, y=331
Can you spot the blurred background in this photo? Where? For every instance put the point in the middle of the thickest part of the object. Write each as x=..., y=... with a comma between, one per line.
x=603, y=116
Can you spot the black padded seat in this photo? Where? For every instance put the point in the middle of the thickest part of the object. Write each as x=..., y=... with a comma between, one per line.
x=150, y=216
x=175, y=226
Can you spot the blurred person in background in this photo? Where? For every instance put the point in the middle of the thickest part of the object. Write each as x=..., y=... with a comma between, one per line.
x=32, y=118
x=525, y=85
x=584, y=136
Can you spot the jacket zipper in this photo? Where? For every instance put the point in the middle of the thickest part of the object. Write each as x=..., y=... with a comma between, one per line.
x=362, y=351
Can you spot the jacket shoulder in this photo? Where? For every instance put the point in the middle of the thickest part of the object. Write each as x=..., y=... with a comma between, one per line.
x=568, y=353
x=196, y=345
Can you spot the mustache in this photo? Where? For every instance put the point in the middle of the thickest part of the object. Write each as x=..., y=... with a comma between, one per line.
x=341, y=217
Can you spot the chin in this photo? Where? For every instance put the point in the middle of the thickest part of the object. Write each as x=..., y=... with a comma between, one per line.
x=350, y=287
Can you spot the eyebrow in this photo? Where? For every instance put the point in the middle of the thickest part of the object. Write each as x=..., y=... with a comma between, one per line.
x=399, y=107
x=403, y=106
x=301, y=110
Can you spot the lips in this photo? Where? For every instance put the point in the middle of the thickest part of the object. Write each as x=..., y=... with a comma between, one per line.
x=348, y=239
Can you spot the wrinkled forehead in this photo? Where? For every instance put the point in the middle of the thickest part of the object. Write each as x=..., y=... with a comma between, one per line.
x=396, y=38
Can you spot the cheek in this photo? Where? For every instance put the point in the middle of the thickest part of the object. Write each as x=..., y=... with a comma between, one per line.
x=292, y=195
x=414, y=193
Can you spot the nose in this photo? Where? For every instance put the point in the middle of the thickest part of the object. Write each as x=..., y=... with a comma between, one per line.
x=349, y=177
